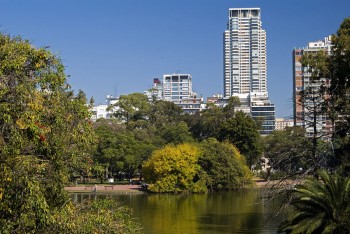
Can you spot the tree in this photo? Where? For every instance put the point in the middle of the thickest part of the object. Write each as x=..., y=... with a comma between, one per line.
x=133, y=106
x=242, y=131
x=225, y=167
x=207, y=123
x=230, y=108
x=315, y=103
x=164, y=112
x=339, y=67
x=174, y=169
x=45, y=137
x=176, y=133
x=320, y=206
x=120, y=148
x=288, y=151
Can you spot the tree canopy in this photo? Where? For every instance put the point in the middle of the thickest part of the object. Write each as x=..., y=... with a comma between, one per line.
x=45, y=137
x=224, y=166
x=174, y=169
x=242, y=131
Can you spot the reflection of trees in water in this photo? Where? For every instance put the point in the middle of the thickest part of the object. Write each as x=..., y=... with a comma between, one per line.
x=222, y=212
x=232, y=212
x=274, y=207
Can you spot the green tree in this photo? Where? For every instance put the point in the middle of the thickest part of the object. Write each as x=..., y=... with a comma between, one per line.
x=225, y=167
x=45, y=137
x=339, y=67
x=164, y=112
x=174, y=169
x=320, y=206
x=242, y=131
x=206, y=123
x=230, y=108
x=175, y=133
x=133, y=106
x=121, y=147
x=288, y=150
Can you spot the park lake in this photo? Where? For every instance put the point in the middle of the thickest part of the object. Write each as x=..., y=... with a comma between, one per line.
x=245, y=211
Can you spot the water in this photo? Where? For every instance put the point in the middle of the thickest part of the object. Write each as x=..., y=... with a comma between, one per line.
x=212, y=213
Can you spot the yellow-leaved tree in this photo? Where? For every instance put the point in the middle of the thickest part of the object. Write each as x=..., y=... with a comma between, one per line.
x=174, y=169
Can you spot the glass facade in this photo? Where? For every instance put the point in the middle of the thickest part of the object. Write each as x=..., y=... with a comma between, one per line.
x=265, y=116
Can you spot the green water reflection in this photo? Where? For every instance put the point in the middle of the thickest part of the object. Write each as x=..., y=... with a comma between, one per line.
x=225, y=212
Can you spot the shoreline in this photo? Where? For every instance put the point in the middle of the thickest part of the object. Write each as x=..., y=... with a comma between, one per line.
x=136, y=189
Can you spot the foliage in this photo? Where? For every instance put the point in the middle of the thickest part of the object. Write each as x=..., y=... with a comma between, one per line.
x=174, y=169
x=133, y=106
x=242, y=131
x=98, y=216
x=45, y=138
x=339, y=67
x=164, y=112
x=230, y=108
x=320, y=206
x=120, y=149
x=147, y=126
x=224, y=165
x=175, y=134
x=288, y=150
x=207, y=123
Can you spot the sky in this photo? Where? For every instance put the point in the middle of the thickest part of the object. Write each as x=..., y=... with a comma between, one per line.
x=115, y=47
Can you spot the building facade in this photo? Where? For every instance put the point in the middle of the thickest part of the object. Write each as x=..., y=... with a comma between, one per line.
x=282, y=123
x=245, y=69
x=244, y=53
x=102, y=111
x=305, y=111
x=177, y=87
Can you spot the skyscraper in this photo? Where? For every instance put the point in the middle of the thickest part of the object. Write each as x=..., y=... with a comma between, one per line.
x=245, y=53
x=245, y=65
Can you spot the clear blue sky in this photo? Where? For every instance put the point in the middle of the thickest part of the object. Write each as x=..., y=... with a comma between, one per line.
x=119, y=46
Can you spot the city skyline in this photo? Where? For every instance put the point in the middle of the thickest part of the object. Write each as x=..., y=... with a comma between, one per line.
x=121, y=46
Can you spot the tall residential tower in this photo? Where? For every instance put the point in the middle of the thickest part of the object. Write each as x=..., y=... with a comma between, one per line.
x=245, y=53
x=245, y=67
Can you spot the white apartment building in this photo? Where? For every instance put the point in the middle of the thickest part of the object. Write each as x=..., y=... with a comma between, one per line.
x=177, y=87
x=244, y=53
x=100, y=111
x=245, y=69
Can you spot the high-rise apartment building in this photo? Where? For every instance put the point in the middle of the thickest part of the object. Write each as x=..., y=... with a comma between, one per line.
x=305, y=111
x=245, y=53
x=177, y=87
x=245, y=69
